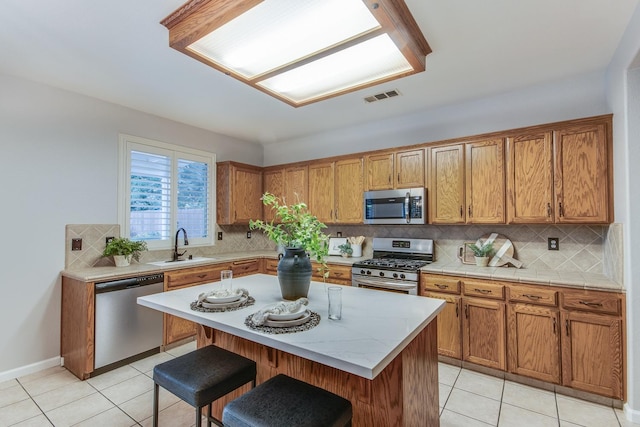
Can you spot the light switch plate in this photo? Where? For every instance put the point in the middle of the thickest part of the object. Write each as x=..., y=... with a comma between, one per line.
x=76, y=244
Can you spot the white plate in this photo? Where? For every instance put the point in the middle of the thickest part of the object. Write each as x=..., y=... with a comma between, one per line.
x=304, y=318
x=288, y=316
x=222, y=300
x=237, y=303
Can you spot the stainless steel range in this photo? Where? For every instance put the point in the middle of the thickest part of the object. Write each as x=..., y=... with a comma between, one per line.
x=395, y=265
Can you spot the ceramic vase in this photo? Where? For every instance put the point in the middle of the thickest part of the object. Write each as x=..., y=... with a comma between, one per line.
x=482, y=261
x=294, y=273
x=122, y=260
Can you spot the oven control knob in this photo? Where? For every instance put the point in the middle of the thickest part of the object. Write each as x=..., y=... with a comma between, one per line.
x=362, y=272
x=381, y=274
x=368, y=271
x=402, y=276
x=395, y=275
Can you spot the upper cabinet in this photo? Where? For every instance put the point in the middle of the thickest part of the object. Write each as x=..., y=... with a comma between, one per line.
x=238, y=193
x=272, y=182
x=296, y=184
x=582, y=174
x=467, y=183
x=336, y=191
x=399, y=169
x=575, y=188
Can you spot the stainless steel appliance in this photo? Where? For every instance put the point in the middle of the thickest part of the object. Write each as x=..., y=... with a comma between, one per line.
x=395, y=265
x=402, y=206
x=124, y=329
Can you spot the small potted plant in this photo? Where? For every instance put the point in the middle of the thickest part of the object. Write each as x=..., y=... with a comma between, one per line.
x=300, y=233
x=345, y=249
x=123, y=249
x=482, y=253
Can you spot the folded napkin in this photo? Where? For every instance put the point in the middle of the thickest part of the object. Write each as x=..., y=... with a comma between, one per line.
x=221, y=293
x=283, y=307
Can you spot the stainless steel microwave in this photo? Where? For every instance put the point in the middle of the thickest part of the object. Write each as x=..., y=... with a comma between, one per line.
x=402, y=206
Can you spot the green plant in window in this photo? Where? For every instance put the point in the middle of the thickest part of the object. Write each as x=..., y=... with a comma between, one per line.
x=124, y=246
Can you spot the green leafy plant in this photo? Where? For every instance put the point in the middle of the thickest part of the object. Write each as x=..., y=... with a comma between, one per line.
x=294, y=226
x=345, y=248
x=482, y=251
x=124, y=246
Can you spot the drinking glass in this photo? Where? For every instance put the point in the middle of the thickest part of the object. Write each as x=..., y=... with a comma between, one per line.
x=335, y=302
x=226, y=276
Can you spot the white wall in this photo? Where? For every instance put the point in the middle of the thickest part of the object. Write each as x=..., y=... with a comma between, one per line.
x=623, y=92
x=581, y=96
x=58, y=166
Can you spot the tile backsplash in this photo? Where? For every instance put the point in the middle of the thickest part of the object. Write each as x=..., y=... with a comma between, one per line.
x=584, y=248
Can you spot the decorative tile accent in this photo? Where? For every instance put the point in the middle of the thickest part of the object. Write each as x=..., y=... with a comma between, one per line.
x=93, y=243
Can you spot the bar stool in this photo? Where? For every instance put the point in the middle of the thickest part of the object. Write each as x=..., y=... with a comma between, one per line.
x=202, y=376
x=285, y=401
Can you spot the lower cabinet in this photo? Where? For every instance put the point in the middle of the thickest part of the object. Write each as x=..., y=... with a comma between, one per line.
x=568, y=337
x=339, y=274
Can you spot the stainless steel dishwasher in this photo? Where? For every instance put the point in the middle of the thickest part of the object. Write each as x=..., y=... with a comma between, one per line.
x=124, y=329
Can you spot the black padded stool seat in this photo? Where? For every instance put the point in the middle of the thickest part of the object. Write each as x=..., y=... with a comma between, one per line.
x=202, y=376
x=284, y=401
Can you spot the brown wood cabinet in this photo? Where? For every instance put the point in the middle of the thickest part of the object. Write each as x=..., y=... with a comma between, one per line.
x=339, y=274
x=238, y=193
x=321, y=191
x=569, y=337
x=349, y=189
x=446, y=186
x=485, y=182
x=582, y=181
x=399, y=169
x=296, y=185
x=272, y=182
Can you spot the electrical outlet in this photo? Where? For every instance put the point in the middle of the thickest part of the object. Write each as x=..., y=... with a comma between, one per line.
x=339, y=234
x=553, y=244
x=76, y=244
x=219, y=235
x=108, y=240
x=248, y=234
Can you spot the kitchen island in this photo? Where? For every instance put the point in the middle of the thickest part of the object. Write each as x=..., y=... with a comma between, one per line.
x=382, y=354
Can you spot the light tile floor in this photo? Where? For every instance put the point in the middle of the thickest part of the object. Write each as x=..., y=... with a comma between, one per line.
x=124, y=397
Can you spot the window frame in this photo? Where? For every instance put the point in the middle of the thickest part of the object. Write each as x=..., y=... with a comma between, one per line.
x=128, y=143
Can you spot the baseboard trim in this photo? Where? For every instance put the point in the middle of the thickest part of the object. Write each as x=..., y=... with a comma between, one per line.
x=30, y=369
x=631, y=414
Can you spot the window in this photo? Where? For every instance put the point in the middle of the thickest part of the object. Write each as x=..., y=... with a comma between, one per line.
x=162, y=188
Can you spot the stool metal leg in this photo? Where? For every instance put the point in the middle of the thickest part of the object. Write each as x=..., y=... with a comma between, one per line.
x=155, y=405
x=198, y=417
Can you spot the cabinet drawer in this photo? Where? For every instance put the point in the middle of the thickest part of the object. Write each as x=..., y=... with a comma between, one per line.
x=483, y=289
x=271, y=266
x=195, y=276
x=590, y=301
x=433, y=283
x=341, y=273
x=531, y=295
x=246, y=267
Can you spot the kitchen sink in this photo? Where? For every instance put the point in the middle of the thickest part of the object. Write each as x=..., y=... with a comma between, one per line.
x=194, y=260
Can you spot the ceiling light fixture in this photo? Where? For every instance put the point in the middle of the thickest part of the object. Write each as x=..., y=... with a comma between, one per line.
x=301, y=51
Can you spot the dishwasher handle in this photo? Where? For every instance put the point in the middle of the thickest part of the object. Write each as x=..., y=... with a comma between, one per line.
x=129, y=282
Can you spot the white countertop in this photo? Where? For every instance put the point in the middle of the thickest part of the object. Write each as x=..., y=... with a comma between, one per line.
x=375, y=326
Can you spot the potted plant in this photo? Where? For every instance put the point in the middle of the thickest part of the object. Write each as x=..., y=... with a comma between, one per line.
x=482, y=253
x=345, y=249
x=123, y=249
x=301, y=235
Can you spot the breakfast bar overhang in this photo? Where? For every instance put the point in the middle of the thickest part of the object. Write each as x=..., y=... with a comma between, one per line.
x=382, y=354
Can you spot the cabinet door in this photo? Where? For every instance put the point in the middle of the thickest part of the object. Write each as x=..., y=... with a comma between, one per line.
x=272, y=182
x=484, y=333
x=581, y=179
x=485, y=188
x=247, y=191
x=534, y=342
x=449, y=325
x=349, y=191
x=409, y=169
x=530, y=179
x=380, y=171
x=321, y=187
x=592, y=353
x=296, y=185
x=446, y=167
x=177, y=328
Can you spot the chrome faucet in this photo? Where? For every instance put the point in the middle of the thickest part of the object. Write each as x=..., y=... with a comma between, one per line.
x=176, y=254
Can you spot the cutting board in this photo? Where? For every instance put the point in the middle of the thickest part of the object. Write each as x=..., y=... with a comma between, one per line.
x=503, y=251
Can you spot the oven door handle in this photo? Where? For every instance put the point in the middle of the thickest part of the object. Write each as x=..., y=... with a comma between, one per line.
x=407, y=206
x=385, y=284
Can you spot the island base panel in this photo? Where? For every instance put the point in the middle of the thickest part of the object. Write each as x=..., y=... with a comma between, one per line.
x=405, y=393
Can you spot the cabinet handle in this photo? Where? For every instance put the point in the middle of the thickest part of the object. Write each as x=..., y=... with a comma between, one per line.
x=461, y=211
x=533, y=297
x=457, y=314
x=470, y=211
x=560, y=210
x=483, y=291
x=554, y=326
x=466, y=311
x=331, y=214
x=566, y=326
x=389, y=179
x=337, y=273
x=336, y=213
x=441, y=286
x=549, y=210
x=201, y=276
x=590, y=304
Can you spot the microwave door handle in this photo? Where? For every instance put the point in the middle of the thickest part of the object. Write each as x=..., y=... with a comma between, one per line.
x=407, y=206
